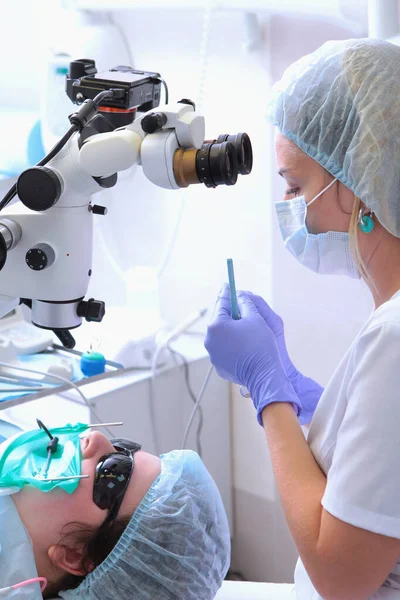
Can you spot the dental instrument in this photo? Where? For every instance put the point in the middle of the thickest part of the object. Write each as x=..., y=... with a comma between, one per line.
x=235, y=308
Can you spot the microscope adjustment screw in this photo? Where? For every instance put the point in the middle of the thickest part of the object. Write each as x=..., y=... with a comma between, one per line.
x=153, y=122
x=96, y=209
x=91, y=310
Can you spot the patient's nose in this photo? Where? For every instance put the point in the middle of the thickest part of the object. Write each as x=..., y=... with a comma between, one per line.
x=95, y=443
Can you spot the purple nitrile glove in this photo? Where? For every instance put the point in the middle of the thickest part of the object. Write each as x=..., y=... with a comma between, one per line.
x=246, y=352
x=308, y=391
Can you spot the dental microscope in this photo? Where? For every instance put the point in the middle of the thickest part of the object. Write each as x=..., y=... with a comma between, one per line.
x=46, y=238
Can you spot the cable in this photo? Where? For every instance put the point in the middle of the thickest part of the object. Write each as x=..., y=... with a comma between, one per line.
x=64, y=380
x=9, y=196
x=54, y=151
x=152, y=396
x=104, y=245
x=13, y=190
x=171, y=244
x=193, y=398
x=162, y=343
x=104, y=94
x=165, y=89
x=10, y=588
x=204, y=51
x=124, y=38
x=196, y=406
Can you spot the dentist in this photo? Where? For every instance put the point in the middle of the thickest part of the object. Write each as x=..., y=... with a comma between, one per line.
x=337, y=114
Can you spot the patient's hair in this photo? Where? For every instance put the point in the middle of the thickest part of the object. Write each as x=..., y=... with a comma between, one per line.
x=97, y=545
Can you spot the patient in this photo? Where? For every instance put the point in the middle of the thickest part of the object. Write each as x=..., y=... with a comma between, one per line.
x=169, y=540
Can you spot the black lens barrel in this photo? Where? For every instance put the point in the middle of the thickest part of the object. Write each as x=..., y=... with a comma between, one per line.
x=244, y=151
x=216, y=164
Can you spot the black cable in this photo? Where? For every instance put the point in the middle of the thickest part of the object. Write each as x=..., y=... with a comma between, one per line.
x=9, y=196
x=105, y=94
x=54, y=151
x=193, y=398
x=165, y=89
x=13, y=190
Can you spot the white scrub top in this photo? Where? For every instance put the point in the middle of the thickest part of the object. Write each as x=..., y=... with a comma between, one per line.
x=355, y=438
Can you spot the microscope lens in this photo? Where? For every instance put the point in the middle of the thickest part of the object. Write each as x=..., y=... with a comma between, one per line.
x=218, y=162
x=244, y=151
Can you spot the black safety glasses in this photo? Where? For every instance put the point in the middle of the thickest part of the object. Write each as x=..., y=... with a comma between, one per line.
x=113, y=473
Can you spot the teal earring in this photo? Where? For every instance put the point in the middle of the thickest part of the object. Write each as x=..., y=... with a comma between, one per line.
x=366, y=222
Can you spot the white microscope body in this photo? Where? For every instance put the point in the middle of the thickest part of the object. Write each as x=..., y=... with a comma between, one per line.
x=46, y=239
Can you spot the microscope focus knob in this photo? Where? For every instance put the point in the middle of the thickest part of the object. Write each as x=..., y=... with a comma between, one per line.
x=153, y=122
x=39, y=188
x=40, y=257
x=91, y=310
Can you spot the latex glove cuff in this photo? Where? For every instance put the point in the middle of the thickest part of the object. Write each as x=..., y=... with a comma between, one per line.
x=263, y=395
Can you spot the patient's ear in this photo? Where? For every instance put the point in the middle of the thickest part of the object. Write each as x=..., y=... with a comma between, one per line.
x=68, y=558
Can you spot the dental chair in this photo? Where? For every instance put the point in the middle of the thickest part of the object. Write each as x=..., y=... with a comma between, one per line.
x=235, y=590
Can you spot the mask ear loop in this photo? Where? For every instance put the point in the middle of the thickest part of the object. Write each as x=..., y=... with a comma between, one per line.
x=320, y=194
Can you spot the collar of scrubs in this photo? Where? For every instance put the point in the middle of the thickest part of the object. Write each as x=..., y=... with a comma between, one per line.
x=17, y=561
x=395, y=295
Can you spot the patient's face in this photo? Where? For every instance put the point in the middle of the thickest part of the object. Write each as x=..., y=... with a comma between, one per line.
x=46, y=514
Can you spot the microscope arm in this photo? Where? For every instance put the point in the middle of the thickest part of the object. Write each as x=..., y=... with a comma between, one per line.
x=150, y=140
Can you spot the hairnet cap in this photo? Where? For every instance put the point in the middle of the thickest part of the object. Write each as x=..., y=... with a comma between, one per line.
x=177, y=544
x=340, y=105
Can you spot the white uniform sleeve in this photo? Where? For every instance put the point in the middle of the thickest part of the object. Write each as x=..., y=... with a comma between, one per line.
x=363, y=486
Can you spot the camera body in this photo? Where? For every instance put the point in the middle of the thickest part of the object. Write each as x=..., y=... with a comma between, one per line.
x=140, y=90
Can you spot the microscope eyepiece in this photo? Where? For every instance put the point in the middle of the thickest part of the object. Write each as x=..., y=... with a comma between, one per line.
x=218, y=162
x=244, y=151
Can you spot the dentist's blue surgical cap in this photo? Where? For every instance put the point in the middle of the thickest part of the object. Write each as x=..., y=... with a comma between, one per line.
x=341, y=106
x=176, y=546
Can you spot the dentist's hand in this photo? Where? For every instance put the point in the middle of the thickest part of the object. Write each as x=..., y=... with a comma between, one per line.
x=246, y=352
x=307, y=390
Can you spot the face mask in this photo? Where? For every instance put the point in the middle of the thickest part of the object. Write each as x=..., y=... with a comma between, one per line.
x=325, y=253
x=24, y=460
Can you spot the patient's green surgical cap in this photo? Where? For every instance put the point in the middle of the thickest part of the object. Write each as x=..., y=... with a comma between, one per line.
x=176, y=546
x=341, y=106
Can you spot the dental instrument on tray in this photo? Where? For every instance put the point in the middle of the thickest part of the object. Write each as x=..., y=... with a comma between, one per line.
x=63, y=380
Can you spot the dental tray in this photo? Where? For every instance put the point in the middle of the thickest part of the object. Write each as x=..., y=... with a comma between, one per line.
x=54, y=356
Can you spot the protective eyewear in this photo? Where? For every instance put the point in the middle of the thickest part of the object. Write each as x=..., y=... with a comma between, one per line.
x=113, y=474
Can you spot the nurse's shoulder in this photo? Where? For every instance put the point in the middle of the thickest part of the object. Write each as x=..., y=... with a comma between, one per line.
x=388, y=313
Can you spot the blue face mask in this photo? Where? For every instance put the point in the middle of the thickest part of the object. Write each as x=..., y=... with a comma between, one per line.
x=325, y=253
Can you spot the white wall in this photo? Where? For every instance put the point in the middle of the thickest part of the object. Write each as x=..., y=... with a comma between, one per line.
x=321, y=314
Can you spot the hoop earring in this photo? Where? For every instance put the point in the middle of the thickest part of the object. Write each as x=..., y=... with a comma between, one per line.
x=366, y=222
